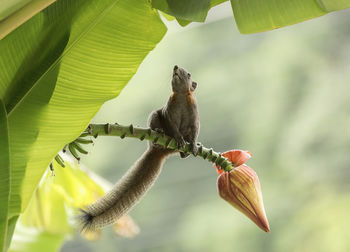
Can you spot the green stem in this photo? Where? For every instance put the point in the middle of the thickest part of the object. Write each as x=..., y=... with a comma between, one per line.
x=157, y=138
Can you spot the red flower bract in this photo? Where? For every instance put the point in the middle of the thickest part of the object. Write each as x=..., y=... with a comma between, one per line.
x=236, y=157
x=241, y=188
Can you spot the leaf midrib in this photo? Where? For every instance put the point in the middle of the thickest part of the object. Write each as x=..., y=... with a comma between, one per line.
x=66, y=51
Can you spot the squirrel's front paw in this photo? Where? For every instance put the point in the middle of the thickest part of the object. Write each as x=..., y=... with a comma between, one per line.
x=180, y=142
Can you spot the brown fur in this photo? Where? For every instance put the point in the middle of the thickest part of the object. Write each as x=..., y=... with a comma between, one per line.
x=127, y=192
x=191, y=99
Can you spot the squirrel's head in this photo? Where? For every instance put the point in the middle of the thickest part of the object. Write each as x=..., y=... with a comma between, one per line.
x=182, y=82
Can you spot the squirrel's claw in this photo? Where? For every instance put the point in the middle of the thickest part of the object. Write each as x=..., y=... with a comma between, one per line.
x=180, y=142
x=194, y=149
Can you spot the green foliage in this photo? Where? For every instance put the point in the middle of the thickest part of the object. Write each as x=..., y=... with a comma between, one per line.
x=5, y=170
x=283, y=95
x=30, y=239
x=8, y=7
x=58, y=68
x=333, y=5
x=56, y=71
x=257, y=15
x=49, y=217
x=186, y=11
x=191, y=10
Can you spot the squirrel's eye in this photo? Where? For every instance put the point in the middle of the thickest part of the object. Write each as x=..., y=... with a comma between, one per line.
x=189, y=75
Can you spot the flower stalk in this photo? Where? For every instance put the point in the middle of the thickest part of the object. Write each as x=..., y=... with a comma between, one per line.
x=155, y=137
x=237, y=183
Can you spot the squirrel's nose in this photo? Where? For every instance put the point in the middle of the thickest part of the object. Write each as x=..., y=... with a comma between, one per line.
x=175, y=67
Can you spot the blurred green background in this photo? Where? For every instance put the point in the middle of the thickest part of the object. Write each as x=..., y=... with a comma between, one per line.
x=285, y=96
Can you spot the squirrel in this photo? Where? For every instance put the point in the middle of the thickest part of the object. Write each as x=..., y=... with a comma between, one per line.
x=179, y=118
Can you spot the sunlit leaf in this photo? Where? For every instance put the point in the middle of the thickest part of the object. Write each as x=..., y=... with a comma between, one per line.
x=191, y=10
x=57, y=69
x=183, y=22
x=47, y=211
x=167, y=16
x=186, y=11
x=30, y=239
x=257, y=15
x=9, y=7
x=58, y=198
x=14, y=13
x=333, y=5
x=55, y=205
x=216, y=2
x=74, y=186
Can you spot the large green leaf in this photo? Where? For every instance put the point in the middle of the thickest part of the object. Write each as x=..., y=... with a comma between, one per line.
x=333, y=5
x=5, y=178
x=262, y=15
x=57, y=69
x=191, y=10
x=216, y=2
x=8, y=7
x=50, y=215
x=30, y=239
x=186, y=11
x=14, y=13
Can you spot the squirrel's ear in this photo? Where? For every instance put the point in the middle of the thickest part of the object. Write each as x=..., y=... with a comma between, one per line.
x=194, y=85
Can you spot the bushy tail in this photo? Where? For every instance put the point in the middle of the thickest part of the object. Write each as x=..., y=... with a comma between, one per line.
x=127, y=192
x=85, y=220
